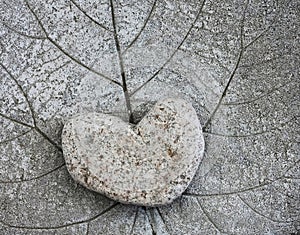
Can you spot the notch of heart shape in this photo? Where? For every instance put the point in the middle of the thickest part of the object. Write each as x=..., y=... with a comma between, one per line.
x=149, y=164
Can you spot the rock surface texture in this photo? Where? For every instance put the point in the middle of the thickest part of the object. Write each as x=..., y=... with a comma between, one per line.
x=149, y=164
x=236, y=62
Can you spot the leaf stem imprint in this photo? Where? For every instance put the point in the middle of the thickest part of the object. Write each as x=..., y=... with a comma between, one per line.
x=150, y=218
x=124, y=84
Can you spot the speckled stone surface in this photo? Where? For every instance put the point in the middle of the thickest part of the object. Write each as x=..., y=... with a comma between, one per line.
x=149, y=164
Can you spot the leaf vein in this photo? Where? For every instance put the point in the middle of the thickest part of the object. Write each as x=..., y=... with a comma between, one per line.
x=143, y=27
x=134, y=220
x=174, y=52
x=34, y=178
x=239, y=58
x=66, y=53
x=259, y=97
x=260, y=213
x=208, y=216
x=15, y=137
x=163, y=219
x=64, y=225
x=90, y=18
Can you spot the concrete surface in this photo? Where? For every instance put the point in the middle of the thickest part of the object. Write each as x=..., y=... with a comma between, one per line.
x=237, y=62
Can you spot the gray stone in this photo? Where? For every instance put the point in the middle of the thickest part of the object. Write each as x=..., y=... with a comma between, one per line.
x=149, y=164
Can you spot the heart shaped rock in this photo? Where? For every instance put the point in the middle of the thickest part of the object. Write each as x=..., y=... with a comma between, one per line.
x=148, y=164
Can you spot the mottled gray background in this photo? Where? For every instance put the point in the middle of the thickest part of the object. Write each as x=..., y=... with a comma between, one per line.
x=237, y=62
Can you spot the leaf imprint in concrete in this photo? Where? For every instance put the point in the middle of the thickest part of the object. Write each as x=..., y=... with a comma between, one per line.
x=150, y=163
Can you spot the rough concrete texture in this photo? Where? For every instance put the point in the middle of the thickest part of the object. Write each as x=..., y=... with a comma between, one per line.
x=148, y=164
x=236, y=61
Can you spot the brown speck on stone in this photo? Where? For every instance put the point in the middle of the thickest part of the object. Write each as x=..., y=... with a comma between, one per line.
x=176, y=140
